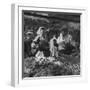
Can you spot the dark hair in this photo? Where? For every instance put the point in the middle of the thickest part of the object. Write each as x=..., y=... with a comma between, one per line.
x=55, y=43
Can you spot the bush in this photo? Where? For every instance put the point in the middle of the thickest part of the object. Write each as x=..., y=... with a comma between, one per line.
x=46, y=68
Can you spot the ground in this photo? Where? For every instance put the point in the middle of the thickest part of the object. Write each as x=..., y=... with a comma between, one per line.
x=63, y=65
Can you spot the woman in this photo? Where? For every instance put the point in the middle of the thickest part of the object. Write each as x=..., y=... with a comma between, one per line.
x=60, y=41
x=53, y=47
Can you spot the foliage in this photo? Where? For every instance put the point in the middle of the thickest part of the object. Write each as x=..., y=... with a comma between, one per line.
x=67, y=66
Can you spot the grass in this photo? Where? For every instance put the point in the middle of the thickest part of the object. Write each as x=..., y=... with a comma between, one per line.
x=65, y=65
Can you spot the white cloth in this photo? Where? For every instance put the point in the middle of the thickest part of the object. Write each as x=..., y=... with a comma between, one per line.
x=60, y=41
x=39, y=31
x=36, y=38
x=39, y=34
x=32, y=44
x=39, y=55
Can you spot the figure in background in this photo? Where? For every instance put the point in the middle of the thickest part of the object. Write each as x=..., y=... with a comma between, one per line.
x=68, y=38
x=60, y=41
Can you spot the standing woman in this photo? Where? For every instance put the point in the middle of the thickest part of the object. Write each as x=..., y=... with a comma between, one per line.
x=60, y=41
x=55, y=48
x=52, y=47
